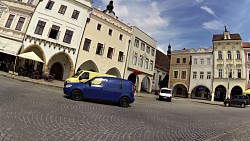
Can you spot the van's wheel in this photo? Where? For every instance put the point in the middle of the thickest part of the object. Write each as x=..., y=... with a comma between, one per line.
x=242, y=105
x=77, y=95
x=227, y=104
x=124, y=102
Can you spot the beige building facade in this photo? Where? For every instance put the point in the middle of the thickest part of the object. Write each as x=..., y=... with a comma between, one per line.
x=229, y=66
x=104, y=44
x=141, y=61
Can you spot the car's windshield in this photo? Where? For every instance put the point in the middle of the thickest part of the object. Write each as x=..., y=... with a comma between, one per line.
x=77, y=74
x=165, y=91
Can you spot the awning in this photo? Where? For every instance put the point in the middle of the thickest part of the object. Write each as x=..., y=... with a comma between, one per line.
x=31, y=56
x=9, y=46
x=247, y=91
x=137, y=72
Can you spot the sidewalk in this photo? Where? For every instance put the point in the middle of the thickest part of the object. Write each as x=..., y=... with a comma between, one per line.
x=59, y=84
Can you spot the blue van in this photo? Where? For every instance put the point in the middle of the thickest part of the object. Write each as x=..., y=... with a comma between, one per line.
x=103, y=88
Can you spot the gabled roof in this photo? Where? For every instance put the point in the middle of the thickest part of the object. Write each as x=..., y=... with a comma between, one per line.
x=220, y=37
x=246, y=44
x=162, y=61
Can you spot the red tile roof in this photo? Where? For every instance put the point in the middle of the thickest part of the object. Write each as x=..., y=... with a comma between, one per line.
x=246, y=44
x=220, y=37
x=162, y=61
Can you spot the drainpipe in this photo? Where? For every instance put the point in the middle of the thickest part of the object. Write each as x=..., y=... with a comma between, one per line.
x=190, y=64
x=126, y=59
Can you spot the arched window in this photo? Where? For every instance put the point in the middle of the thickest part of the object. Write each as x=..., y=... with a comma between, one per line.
x=238, y=54
x=229, y=56
x=219, y=55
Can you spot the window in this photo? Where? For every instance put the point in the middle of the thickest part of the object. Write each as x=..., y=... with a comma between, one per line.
x=30, y=1
x=183, y=60
x=178, y=60
x=49, y=4
x=230, y=73
x=110, y=52
x=99, y=26
x=151, y=65
x=148, y=49
x=39, y=27
x=20, y=23
x=208, y=61
x=220, y=73
x=86, y=45
x=19, y=0
x=68, y=36
x=121, y=56
x=248, y=56
x=1, y=13
x=153, y=52
x=201, y=75
x=239, y=73
x=110, y=32
x=183, y=74
x=209, y=75
x=143, y=46
x=99, y=49
x=229, y=55
x=98, y=81
x=120, y=37
x=75, y=14
x=9, y=21
x=146, y=64
x=175, y=74
x=141, y=61
x=194, y=75
x=238, y=55
x=134, y=61
x=136, y=44
x=54, y=32
x=195, y=61
x=202, y=61
x=62, y=9
x=248, y=75
x=219, y=55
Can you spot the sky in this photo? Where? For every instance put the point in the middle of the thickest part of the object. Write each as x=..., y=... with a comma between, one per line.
x=185, y=23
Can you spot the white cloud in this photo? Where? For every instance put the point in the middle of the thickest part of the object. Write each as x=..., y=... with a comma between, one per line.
x=199, y=1
x=213, y=25
x=208, y=10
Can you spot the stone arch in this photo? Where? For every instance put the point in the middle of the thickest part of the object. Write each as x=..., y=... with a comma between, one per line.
x=145, y=84
x=114, y=71
x=200, y=92
x=88, y=65
x=135, y=79
x=180, y=90
x=66, y=62
x=236, y=90
x=220, y=93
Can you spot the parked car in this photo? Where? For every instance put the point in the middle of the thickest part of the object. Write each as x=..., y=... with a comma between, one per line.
x=103, y=88
x=241, y=100
x=165, y=93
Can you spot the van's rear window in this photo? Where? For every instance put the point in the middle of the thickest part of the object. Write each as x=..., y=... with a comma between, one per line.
x=165, y=91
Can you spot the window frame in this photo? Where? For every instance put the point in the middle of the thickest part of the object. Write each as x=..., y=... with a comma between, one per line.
x=40, y=27
x=49, y=5
x=75, y=14
x=9, y=21
x=20, y=24
x=68, y=36
x=62, y=9
x=86, y=45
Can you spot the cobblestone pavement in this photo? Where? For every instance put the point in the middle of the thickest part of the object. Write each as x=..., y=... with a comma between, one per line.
x=31, y=111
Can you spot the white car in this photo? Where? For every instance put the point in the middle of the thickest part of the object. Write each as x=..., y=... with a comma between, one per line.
x=165, y=93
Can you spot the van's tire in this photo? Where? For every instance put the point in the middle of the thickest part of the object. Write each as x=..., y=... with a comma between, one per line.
x=124, y=102
x=76, y=95
x=160, y=98
x=242, y=105
x=227, y=104
x=170, y=99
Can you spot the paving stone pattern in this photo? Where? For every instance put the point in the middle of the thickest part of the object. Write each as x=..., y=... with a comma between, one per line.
x=30, y=112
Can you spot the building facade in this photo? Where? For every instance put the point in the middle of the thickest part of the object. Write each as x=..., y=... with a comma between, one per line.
x=201, y=77
x=105, y=44
x=14, y=20
x=55, y=33
x=246, y=48
x=141, y=61
x=229, y=66
x=162, y=66
x=180, y=66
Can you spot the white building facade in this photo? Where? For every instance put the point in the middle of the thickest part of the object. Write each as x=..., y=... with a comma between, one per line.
x=229, y=66
x=141, y=61
x=200, y=86
x=55, y=33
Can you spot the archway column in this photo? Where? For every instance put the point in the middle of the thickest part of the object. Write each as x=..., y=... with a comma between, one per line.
x=212, y=96
x=139, y=86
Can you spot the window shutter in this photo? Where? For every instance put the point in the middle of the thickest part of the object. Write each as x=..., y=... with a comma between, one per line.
x=58, y=34
x=49, y=32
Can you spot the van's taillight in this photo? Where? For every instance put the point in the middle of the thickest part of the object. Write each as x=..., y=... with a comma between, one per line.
x=133, y=89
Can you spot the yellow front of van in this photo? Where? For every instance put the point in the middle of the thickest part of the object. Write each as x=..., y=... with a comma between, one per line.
x=83, y=76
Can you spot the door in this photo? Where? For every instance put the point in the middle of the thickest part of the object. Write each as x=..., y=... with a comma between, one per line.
x=57, y=70
x=112, y=90
x=94, y=89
